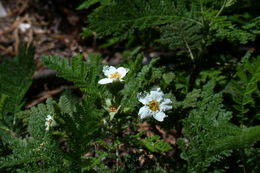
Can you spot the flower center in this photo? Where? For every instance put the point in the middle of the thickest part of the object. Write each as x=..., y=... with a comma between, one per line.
x=112, y=109
x=115, y=75
x=50, y=121
x=154, y=105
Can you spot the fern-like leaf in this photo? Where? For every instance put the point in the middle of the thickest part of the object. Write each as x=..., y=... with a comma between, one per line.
x=155, y=144
x=16, y=78
x=38, y=150
x=204, y=125
x=249, y=75
x=83, y=74
x=242, y=138
x=121, y=18
x=88, y=3
x=225, y=29
x=182, y=35
x=74, y=69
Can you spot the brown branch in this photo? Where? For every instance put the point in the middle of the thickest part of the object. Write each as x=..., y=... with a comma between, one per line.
x=47, y=94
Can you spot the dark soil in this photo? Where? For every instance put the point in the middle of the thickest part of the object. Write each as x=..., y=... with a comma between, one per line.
x=53, y=27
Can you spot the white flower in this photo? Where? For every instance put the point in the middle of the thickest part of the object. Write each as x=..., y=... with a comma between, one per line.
x=113, y=74
x=24, y=26
x=154, y=104
x=50, y=122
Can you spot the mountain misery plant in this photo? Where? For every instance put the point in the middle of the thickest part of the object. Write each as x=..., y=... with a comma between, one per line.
x=90, y=133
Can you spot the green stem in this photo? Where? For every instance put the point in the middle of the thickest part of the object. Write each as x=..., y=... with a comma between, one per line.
x=9, y=131
x=242, y=155
x=189, y=49
x=221, y=9
x=192, y=20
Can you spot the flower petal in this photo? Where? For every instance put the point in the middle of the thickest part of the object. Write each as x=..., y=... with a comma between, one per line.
x=142, y=97
x=122, y=71
x=50, y=122
x=105, y=81
x=47, y=127
x=156, y=94
x=159, y=116
x=166, y=105
x=49, y=117
x=107, y=70
x=144, y=112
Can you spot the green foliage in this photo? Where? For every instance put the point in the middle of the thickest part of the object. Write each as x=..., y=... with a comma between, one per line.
x=204, y=125
x=90, y=136
x=242, y=138
x=168, y=77
x=42, y=149
x=88, y=3
x=3, y=99
x=38, y=151
x=248, y=75
x=155, y=144
x=225, y=29
x=16, y=78
x=95, y=163
x=75, y=69
x=136, y=81
x=121, y=18
x=211, y=74
x=81, y=127
x=83, y=74
x=211, y=34
x=77, y=130
x=184, y=26
x=191, y=99
x=252, y=156
x=182, y=35
x=208, y=135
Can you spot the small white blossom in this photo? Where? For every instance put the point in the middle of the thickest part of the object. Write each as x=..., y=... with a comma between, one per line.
x=50, y=122
x=154, y=104
x=24, y=27
x=113, y=74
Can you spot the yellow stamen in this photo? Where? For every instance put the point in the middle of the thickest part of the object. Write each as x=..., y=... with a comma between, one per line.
x=154, y=105
x=115, y=75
